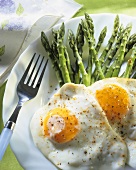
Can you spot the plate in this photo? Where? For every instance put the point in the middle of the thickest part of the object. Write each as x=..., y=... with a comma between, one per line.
x=21, y=143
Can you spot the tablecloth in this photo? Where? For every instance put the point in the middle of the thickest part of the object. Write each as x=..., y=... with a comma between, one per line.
x=90, y=6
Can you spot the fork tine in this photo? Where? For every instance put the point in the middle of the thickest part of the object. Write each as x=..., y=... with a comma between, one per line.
x=33, y=70
x=25, y=93
x=37, y=72
x=27, y=69
x=41, y=76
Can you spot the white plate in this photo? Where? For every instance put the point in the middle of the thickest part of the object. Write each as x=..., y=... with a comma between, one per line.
x=21, y=143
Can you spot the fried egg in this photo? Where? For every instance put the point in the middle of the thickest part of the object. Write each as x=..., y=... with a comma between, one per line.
x=117, y=97
x=72, y=131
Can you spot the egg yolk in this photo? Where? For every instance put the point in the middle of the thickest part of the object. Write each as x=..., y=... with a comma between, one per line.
x=60, y=126
x=114, y=100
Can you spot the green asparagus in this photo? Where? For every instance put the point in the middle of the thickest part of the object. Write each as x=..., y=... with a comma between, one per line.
x=113, y=51
x=120, y=58
x=114, y=69
x=92, y=50
x=121, y=47
x=68, y=62
x=108, y=47
x=80, y=39
x=90, y=26
x=111, y=40
x=61, y=52
x=72, y=43
x=130, y=63
x=55, y=66
x=101, y=39
x=130, y=43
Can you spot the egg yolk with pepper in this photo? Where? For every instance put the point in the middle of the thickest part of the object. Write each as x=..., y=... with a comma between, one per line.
x=114, y=100
x=60, y=126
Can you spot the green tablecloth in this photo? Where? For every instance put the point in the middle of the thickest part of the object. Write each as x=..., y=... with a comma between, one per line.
x=128, y=7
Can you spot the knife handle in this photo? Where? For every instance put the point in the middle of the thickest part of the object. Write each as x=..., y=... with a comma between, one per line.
x=5, y=137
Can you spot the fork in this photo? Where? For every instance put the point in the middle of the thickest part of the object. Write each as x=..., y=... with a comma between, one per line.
x=26, y=90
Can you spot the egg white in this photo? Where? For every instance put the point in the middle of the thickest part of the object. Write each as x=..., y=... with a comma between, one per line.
x=129, y=130
x=96, y=146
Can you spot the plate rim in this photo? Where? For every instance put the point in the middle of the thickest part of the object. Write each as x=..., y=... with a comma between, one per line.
x=27, y=49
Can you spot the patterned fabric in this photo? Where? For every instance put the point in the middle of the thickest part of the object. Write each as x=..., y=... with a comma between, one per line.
x=16, y=19
x=20, y=14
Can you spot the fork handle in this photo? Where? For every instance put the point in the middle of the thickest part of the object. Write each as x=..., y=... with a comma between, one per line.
x=5, y=137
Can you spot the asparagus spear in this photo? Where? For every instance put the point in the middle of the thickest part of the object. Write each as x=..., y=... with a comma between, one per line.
x=54, y=44
x=80, y=39
x=92, y=50
x=111, y=40
x=114, y=69
x=90, y=26
x=89, y=68
x=112, y=53
x=101, y=39
x=130, y=43
x=90, y=41
x=80, y=44
x=132, y=39
x=68, y=62
x=77, y=78
x=108, y=47
x=76, y=69
x=55, y=51
x=120, y=59
x=97, y=48
x=61, y=51
x=130, y=63
x=55, y=66
x=73, y=46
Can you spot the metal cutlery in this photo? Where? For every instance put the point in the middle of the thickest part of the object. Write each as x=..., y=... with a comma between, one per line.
x=27, y=89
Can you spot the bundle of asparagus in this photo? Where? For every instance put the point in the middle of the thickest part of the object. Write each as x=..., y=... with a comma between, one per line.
x=121, y=47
